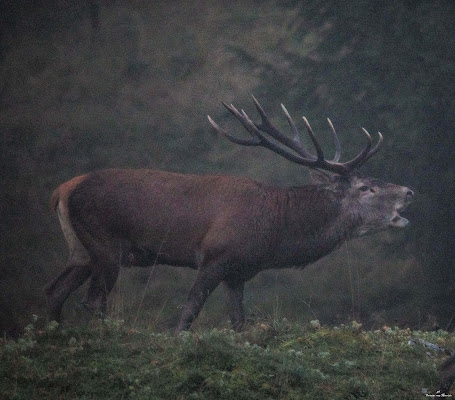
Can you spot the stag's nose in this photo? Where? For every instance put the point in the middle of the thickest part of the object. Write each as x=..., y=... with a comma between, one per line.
x=409, y=194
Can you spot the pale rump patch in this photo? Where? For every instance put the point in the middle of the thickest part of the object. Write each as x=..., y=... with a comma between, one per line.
x=78, y=255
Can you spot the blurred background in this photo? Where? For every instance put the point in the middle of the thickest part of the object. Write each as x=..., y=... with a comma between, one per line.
x=86, y=85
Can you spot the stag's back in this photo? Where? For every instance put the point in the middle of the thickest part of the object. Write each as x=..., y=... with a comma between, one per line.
x=172, y=214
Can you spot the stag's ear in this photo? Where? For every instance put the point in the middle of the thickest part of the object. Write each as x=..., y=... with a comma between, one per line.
x=321, y=178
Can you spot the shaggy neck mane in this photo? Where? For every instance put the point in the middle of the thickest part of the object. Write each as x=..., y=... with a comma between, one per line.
x=313, y=223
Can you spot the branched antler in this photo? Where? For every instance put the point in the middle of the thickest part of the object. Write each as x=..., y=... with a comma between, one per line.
x=263, y=133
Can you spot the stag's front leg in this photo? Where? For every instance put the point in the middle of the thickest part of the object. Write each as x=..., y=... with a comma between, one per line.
x=234, y=298
x=208, y=278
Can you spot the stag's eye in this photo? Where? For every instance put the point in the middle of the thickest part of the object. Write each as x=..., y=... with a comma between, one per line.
x=366, y=188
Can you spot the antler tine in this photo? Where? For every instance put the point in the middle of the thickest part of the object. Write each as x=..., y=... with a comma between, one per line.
x=337, y=156
x=317, y=146
x=291, y=122
x=267, y=127
x=374, y=150
x=239, y=116
x=258, y=138
x=296, y=138
x=378, y=145
x=265, y=119
x=361, y=157
x=244, y=142
x=264, y=141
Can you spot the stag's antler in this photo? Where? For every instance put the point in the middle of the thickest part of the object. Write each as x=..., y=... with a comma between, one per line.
x=294, y=150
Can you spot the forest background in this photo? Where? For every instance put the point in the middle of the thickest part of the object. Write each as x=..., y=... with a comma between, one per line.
x=86, y=85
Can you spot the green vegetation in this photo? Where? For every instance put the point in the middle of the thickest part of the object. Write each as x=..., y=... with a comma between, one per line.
x=268, y=361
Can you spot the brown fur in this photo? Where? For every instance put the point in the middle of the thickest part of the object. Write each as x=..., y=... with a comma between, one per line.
x=229, y=228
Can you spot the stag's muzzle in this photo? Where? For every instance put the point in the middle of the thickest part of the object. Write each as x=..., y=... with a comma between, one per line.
x=397, y=220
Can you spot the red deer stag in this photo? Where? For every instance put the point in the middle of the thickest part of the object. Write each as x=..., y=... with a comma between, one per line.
x=228, y=228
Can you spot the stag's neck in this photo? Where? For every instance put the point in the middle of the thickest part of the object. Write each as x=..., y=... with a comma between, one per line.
x=314, y=223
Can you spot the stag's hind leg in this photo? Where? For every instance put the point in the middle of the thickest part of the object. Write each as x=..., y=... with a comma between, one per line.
x=79, y=267
x=58, y=290
x=102, y=282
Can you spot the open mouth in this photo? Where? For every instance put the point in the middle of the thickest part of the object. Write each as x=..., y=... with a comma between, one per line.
x=397, y=220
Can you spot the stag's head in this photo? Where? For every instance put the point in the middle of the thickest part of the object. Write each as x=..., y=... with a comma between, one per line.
x=375, y=204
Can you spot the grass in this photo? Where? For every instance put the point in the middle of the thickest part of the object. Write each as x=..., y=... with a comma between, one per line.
x=268, y=361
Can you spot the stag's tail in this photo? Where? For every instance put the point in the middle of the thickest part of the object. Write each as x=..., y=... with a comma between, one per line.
x=64, y=190
x=55, y=198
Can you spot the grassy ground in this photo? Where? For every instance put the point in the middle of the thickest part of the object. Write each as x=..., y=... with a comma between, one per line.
x=268, y=361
